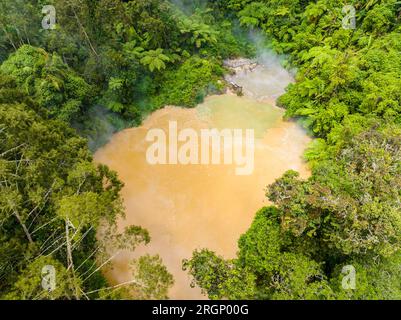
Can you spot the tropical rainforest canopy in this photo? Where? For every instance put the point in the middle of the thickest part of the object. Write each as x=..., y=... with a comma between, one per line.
x=109, y=63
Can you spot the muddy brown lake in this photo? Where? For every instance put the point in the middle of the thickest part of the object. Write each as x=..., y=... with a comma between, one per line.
x=194, y=206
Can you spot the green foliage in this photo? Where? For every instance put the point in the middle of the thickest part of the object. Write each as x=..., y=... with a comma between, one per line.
x=349, y=194
x=53, y=200
x=110, y=62
x=219, y=278
x=105, y=65
x=49, y=81
x=28, y=285
x=341, y=72
x=347, y=213
x=280, y=274
x=376, y=279
x=153, y=278
x=264, y=268
x=155, y=60
x=125, y=50
x=188, y=85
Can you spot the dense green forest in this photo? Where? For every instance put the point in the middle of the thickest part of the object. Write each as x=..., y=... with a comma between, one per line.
x=109, y=63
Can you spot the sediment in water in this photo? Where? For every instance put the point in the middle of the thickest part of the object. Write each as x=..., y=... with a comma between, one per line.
x=189, y=207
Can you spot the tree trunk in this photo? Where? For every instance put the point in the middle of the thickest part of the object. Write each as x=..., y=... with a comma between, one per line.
x=9, y=38
x=28, y=235
x=70, y=262
x=84, y=31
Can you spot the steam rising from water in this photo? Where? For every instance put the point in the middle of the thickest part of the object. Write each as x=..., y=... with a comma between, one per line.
x=266, y=81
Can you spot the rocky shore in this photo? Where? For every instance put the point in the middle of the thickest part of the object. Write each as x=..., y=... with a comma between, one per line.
x=241, y=65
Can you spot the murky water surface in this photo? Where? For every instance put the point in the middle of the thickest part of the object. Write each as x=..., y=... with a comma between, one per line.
x=188, y=207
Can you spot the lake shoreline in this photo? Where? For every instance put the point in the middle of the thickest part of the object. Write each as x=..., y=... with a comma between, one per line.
x=189, y=207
